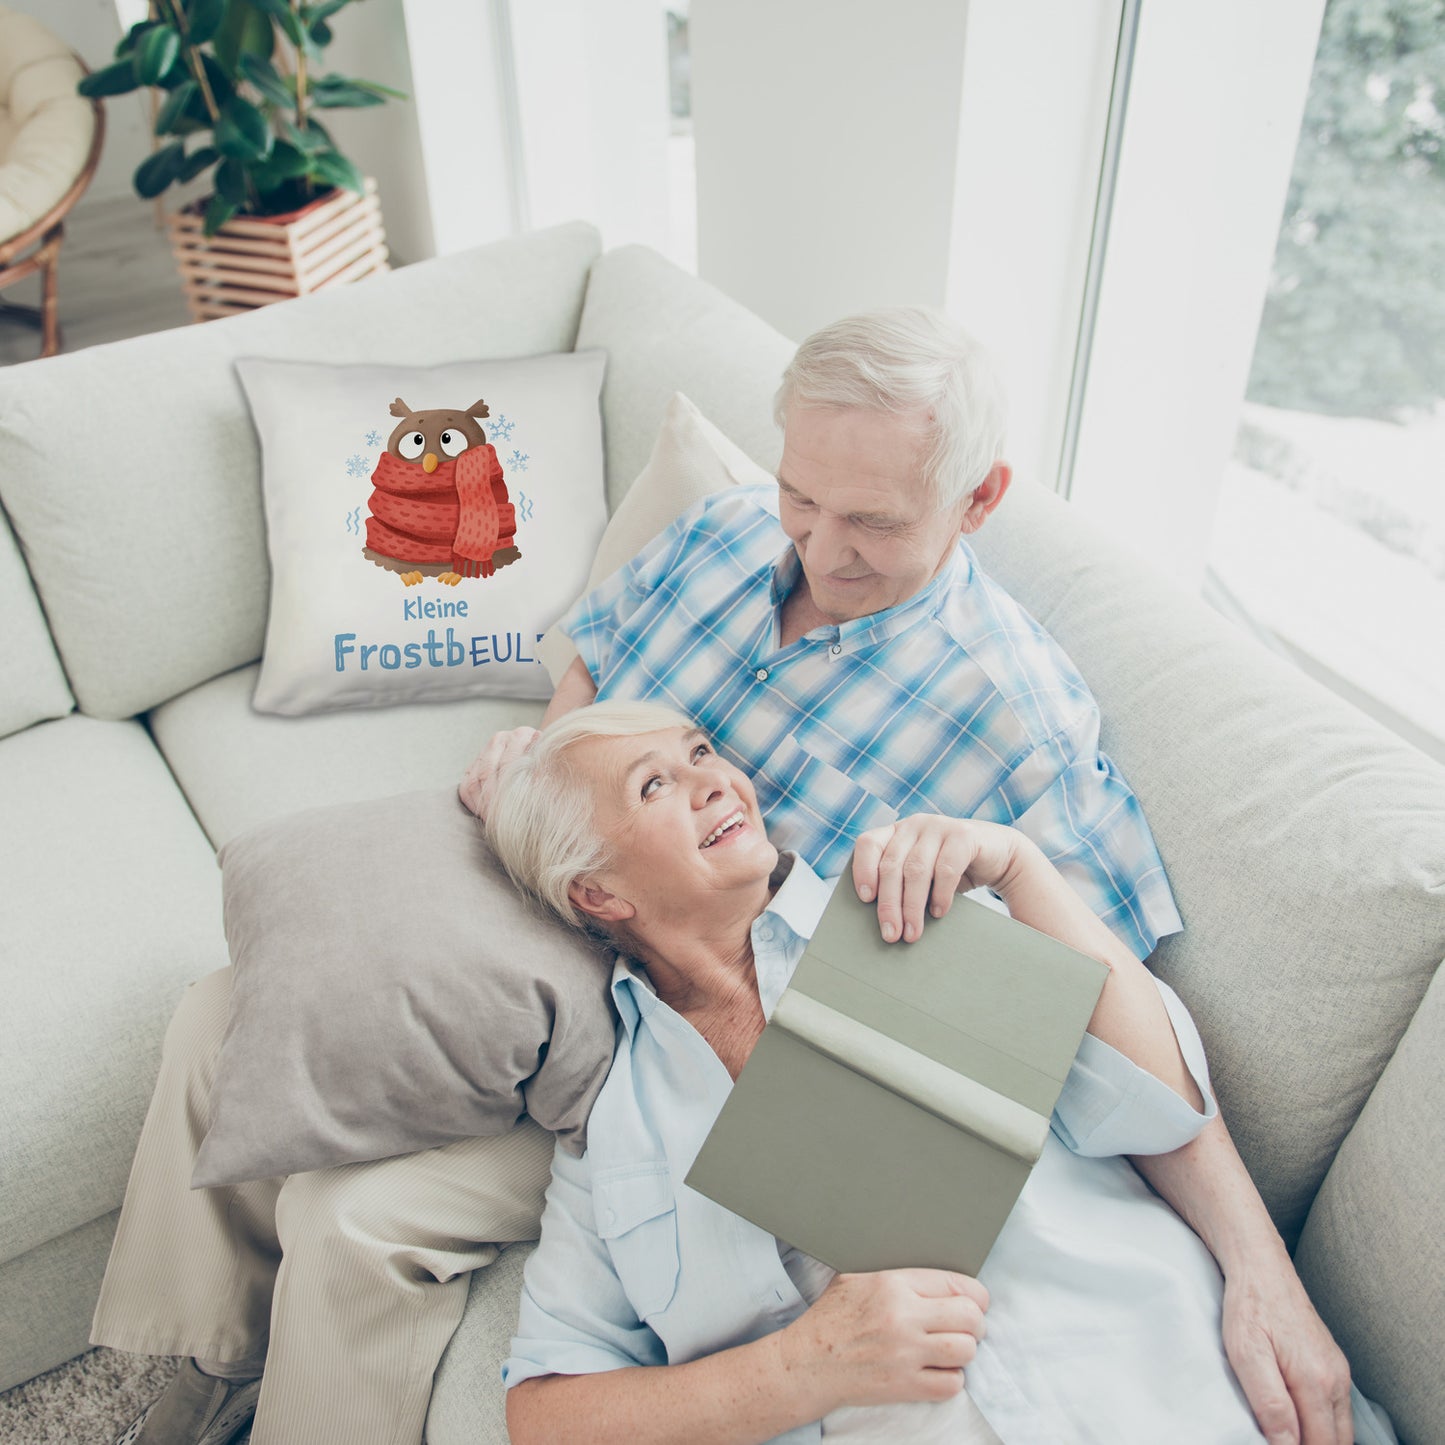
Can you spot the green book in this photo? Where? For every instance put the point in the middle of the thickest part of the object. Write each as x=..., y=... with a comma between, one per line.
x=900, y=1094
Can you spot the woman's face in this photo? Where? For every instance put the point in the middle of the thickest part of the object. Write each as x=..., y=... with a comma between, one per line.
x=682, y=823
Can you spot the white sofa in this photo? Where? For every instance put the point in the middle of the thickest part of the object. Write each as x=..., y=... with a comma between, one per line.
x=1305, y=845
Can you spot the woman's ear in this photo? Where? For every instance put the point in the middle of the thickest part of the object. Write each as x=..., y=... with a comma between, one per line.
x=596, y=902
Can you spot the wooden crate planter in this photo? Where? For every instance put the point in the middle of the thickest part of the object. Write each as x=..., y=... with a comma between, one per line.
x=255, y=260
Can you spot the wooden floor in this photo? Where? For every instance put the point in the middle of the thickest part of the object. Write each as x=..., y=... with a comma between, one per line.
x=117, y=279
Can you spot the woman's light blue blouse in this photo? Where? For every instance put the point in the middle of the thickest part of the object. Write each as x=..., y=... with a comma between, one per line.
x=634, y=1268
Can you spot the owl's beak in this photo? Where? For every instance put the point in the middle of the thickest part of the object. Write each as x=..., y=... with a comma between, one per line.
x=429, y=462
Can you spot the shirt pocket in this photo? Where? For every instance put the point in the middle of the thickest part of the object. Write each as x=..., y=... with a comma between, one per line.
x=636, y=1212
x=820, y=810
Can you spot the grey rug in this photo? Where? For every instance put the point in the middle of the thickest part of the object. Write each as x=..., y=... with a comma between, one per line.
x=86, y=1402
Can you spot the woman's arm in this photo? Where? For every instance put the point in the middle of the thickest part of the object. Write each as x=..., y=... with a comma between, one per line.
x=903, y=1334
x=918, y=864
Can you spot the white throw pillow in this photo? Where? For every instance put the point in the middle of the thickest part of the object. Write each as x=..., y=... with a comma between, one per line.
x=691, y=459
x=425, y=524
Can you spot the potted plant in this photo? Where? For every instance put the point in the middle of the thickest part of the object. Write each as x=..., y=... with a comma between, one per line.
x=240, y=84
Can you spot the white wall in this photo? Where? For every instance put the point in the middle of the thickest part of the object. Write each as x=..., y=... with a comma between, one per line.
x=827, y=144
x=593, y=112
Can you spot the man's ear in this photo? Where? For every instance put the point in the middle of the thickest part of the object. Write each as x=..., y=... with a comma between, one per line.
x=986, y=496
x=597, y=902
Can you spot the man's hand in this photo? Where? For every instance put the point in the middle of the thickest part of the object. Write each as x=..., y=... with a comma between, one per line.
x=917, y=864
x=475, y=788
x=1295, y=1377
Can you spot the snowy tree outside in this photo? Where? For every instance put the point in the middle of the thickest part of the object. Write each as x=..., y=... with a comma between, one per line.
x=1330, y=532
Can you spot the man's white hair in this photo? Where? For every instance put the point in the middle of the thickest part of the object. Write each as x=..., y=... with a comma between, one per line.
x=908, y=360
x=542, y=821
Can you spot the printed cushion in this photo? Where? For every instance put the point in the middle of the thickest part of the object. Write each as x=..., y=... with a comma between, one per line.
x=425, y=524
x=393, y=992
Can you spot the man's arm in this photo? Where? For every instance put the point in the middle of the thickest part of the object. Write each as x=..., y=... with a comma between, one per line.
x=575, y=690
x=1295, y=1377
x=475, y=789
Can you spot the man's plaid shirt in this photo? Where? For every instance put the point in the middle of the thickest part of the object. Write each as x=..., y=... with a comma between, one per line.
x=954, y=702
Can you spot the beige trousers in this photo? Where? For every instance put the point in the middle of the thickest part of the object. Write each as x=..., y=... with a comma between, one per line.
x=350, y=1281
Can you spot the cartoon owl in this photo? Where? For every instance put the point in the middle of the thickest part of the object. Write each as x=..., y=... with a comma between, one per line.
x=439, y=504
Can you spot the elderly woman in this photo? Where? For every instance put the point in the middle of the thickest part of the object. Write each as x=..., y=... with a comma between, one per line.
x=652, y=1313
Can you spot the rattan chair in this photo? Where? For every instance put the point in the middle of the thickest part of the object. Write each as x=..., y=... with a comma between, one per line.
x=50, y=139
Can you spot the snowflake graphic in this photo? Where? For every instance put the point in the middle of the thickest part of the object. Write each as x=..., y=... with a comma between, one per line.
x=518, y=461
x=357, y=466
x=499, y=428
x=373, y=438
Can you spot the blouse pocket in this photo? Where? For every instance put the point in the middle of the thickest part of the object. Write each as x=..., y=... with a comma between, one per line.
x=637, y=1216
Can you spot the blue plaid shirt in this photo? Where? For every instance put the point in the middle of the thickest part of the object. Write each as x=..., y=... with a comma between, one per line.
x=954, y=702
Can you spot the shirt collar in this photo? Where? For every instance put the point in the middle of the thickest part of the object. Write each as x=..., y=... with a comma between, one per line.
x=879, y=626
x=796, y=907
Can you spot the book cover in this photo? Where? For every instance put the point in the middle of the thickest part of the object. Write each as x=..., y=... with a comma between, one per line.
x=900, y=1094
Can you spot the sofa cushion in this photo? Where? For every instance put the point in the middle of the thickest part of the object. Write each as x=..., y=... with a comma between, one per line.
x=140, y=513
x=239, y=768
x=691, y=459
x=468, y=1404
x=111, y=905
x=372, y=603
x=32, y=683
x=664, y=331
x=1372, y=1254
x=393, y=993
x=1301, y=840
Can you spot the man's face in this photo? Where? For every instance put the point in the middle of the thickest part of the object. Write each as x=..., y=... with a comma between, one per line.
x=852, y=499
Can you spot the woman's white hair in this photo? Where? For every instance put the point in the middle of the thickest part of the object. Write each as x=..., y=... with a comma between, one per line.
x=542, y=821
x=908, y=360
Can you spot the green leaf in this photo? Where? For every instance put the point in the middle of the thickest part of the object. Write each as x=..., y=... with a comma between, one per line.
x=333, y=168
x=287, y=163
x=222, y=85
x=203, y=19
x=231, y=182
x=278, y=89
x=117, y=79
x=242, y=132
x=312, y=140
x=285, y=17
x=197, y=161
x=319, y=33
x=333, y=92
x=131, y=38
x=218, y=212
x=244, y=31
x=324, y=11
x=379, y=89
x=157, y=52
x=174, y=109
x=157, y=171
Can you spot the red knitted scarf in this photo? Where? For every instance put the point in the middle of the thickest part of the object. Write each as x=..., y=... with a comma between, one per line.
x=457, y=515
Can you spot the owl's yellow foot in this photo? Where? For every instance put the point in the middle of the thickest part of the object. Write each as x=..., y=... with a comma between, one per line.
x=450, y=578
x=411, y=578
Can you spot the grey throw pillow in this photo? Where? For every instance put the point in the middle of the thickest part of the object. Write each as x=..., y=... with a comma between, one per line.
x=393, y=992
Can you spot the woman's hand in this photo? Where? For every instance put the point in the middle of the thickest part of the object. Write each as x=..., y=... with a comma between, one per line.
x=918, y=864
x=475, y=788
x=897, y=1335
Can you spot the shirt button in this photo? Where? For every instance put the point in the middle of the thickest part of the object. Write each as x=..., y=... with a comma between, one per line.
x=761, y=674
x=836, y=648
x=765, y=933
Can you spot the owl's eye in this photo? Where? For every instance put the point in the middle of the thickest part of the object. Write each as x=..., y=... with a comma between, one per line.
x=412, y=445
x=454, y=443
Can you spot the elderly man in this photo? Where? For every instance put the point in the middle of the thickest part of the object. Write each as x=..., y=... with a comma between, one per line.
x=838, y=640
